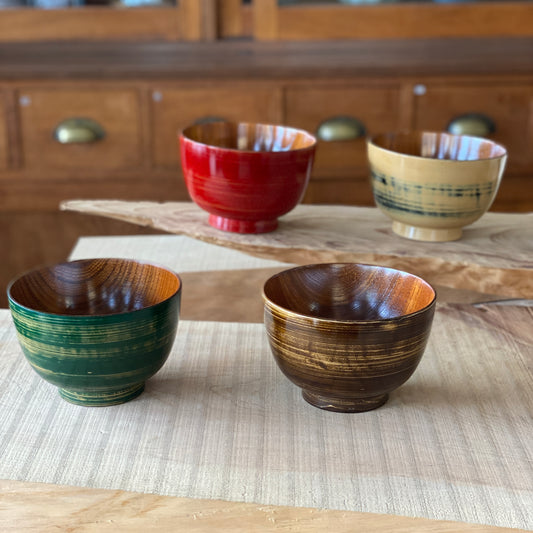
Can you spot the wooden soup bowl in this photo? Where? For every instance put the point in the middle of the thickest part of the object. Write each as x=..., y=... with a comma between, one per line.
x=96, y=328
x=433, y=184
x=347, y=334
x=246, y=175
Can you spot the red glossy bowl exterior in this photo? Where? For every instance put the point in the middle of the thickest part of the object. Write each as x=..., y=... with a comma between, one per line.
x=246, y=175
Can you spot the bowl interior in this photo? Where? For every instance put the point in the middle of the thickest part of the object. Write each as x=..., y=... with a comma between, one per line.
x=249, y=137
x=94, y=287
x=348, y=292
x=439, y=146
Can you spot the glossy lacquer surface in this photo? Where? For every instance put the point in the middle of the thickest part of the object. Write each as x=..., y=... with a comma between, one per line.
x=96, y=328
x=347, y=334
x=246, y=175
x=433, y=184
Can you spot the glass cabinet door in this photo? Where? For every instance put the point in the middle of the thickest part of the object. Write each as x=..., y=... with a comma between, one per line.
x=381, y=19
x=93, y=20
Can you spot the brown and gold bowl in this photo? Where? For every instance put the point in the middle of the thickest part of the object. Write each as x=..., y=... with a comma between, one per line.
x=347, y=334
x=432, y=184
x=96, y=328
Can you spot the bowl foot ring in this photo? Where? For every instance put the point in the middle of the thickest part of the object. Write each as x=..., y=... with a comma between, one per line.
x=345, y=405
x=102, y=398
x=417, y=233
x=243, y=226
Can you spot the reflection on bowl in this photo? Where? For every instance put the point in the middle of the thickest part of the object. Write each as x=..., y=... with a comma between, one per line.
x=347, y=334
x=246, y=175
x=433, y=184
x=96, y=328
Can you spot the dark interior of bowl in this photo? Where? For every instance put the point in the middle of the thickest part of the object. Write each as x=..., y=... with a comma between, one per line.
x=439, y=145
x=348, y=291
x=249, y=137
x=94, y=287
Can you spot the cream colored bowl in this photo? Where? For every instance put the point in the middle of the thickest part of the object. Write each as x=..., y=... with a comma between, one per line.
x=433, y=184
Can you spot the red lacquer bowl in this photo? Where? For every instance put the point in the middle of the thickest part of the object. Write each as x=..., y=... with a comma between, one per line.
x=246, y=175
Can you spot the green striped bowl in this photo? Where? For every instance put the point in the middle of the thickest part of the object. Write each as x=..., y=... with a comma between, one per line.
x=96, y=328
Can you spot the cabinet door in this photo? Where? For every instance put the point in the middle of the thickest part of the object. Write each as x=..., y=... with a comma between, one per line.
x=44, y=113
x=353, y=19
x=508, y=110
x=342, y=117
x=173, y=109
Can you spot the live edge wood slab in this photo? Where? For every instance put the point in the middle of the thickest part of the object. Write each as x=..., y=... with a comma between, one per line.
x=44, y=507
x=494, y=256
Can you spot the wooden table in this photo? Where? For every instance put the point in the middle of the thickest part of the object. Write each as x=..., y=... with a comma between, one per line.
x=226, y=290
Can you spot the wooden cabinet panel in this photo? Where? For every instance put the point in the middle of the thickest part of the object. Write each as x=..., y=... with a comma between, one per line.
x=377, y=108
x=3, y=132
x=340, y=172
x=354, y=191
x=397, y=20
x=117, y=111
x=509, y=107
x=173, y=109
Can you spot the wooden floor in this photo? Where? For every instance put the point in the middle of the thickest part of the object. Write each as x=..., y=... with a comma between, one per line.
x=28, y=240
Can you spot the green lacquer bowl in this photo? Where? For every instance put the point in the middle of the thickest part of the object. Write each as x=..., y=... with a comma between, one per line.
x=96, y=328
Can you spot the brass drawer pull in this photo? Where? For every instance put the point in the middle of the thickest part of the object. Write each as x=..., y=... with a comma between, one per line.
x=475, y=124
x=341, y=128
x=78, y=130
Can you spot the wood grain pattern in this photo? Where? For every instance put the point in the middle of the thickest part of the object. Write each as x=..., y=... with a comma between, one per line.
x=4, y=139
x=346, y=334
x=96, y=328
x=90, y=23
x=246, y=175
x=411, y=21
x=494, y=256
x=248, y=60
x=46, y=508
x=175, y=108
x=117, y=111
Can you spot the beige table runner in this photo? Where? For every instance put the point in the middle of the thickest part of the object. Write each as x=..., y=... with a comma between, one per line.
x=220, y=421
x=181, y=253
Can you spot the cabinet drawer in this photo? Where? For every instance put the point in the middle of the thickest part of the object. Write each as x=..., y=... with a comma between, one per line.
x=376, y=108
x=173, y=109
x=509, y=109
x=345, y=191
x=3, y=132
x=115, y=111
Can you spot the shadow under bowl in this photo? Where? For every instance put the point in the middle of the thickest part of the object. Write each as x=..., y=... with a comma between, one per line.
x=347, y=334
x=246, y=175
x=96, y=328
x=433, y=184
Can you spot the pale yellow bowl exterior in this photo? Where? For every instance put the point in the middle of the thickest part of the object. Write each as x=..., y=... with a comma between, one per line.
x=432, y=199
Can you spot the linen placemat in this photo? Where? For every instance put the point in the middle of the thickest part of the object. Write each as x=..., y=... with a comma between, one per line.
x=220, y=421
x=178, y=252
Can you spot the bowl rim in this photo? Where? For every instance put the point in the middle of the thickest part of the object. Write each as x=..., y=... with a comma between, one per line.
x=371, y=142
x=11, y=299
x=322, y=320
x=183, y=136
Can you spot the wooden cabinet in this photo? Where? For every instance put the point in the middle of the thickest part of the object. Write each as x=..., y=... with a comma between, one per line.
x=182, y=20
x=342, y=117
x=504, y=108
x=312, y=20
x=502, y=112
x=142, y=96
x=3, y=132
x=174, y=108
x=79, y=130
